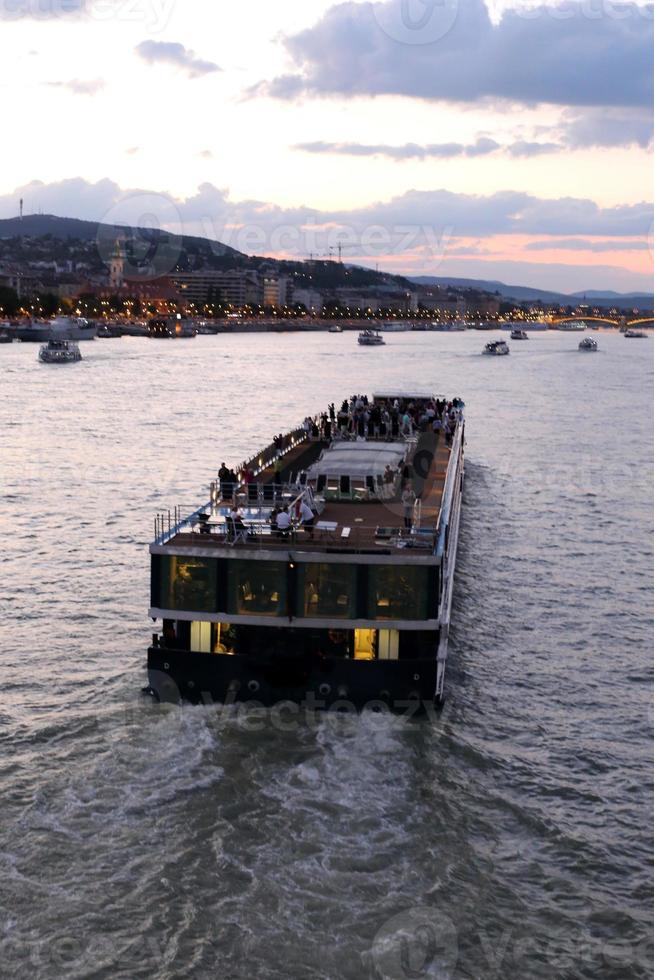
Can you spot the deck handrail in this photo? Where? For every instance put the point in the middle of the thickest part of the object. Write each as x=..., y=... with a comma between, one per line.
x=453, y=472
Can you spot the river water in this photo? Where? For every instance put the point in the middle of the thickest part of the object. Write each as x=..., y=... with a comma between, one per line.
x=510, y=837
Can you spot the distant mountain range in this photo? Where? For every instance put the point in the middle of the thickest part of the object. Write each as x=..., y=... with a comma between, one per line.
x=40, y=225
x=524, y=294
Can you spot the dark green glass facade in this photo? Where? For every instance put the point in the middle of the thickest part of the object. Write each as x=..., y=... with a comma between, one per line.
x=327, y=591
x=300, y=590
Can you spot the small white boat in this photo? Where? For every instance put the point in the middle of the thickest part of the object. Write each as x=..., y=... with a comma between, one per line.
x=335, y=328
x=633, y=333
x=588, y=343
x=571, y=326
x=60, y=352
x=371, y=338
x=519, y=335
x=497, y=348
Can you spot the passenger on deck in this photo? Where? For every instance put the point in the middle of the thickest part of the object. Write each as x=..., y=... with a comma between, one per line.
x=307, y=517
x=283, y=522
x=273, y=518
x=278, y=467
x=226, y=478
x=408, y=500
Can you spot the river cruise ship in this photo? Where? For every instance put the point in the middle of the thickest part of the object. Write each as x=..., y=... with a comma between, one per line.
x=320, y=571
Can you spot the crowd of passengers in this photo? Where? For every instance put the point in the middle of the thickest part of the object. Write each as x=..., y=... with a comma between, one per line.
x=358, y=418
x=392, y=419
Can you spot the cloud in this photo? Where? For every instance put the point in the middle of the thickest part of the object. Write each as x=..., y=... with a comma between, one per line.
x=407, y=151
x=588, y=245
x=211, y=211
x=80, y=86
x=132, y=151
x=206, y=154
x=172, y=53
x=563, y=54
x=419, y=231
x=524, y=148
x=608, y=128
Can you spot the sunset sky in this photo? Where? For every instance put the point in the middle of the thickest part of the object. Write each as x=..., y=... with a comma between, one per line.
x=432, y=137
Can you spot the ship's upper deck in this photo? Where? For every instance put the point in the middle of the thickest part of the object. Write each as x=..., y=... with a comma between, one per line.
x=373, y=473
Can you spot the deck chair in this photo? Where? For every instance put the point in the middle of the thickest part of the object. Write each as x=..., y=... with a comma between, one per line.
x=235, y=534
x=203, y=524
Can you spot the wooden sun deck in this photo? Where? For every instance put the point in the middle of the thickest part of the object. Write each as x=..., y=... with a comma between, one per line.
x=357, y=521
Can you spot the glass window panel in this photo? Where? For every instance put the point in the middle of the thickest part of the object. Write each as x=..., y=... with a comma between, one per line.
x=327, y=590
x=398, y=592
x=256, y=588
x=188, y=583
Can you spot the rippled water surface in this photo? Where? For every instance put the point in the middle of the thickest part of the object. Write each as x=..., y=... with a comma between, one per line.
x=508, y=838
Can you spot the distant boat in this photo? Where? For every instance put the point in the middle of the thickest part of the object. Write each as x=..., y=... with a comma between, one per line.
x=571, y=326
x=519, y=335
x=394, y=326
x=497, y=348
x=335, y=328
x=455, y=327
x=588, y=343
x=371, y=338
x=73, y=328
x=632, y=333
x=60, y=352
x=167, y=327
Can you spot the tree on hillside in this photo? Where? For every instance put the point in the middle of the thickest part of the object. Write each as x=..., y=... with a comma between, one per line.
x=9, y=302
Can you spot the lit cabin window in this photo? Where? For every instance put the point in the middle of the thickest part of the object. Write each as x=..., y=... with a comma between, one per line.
x=256, y=588
x=398, y=592
x=188, y=583
x=327, y=590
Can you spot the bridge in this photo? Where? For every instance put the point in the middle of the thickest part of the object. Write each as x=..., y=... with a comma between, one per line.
x=587, y=319
x=582, y=318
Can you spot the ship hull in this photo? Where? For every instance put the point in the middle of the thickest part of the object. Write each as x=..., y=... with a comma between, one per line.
x=177, y=676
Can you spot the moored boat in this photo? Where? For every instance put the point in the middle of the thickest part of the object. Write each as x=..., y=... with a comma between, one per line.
x=634, y=333
x=335, y=328
x=455, y=326
x=322, y=572
x=519, y=335
x=169, y=327
x=75, y=328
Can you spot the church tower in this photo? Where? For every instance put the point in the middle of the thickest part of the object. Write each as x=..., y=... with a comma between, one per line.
x=117, y=267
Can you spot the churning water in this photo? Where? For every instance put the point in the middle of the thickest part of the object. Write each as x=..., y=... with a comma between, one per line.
x=508, y=838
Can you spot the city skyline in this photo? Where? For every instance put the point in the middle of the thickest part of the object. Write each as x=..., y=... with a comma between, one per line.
x=433, y=138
